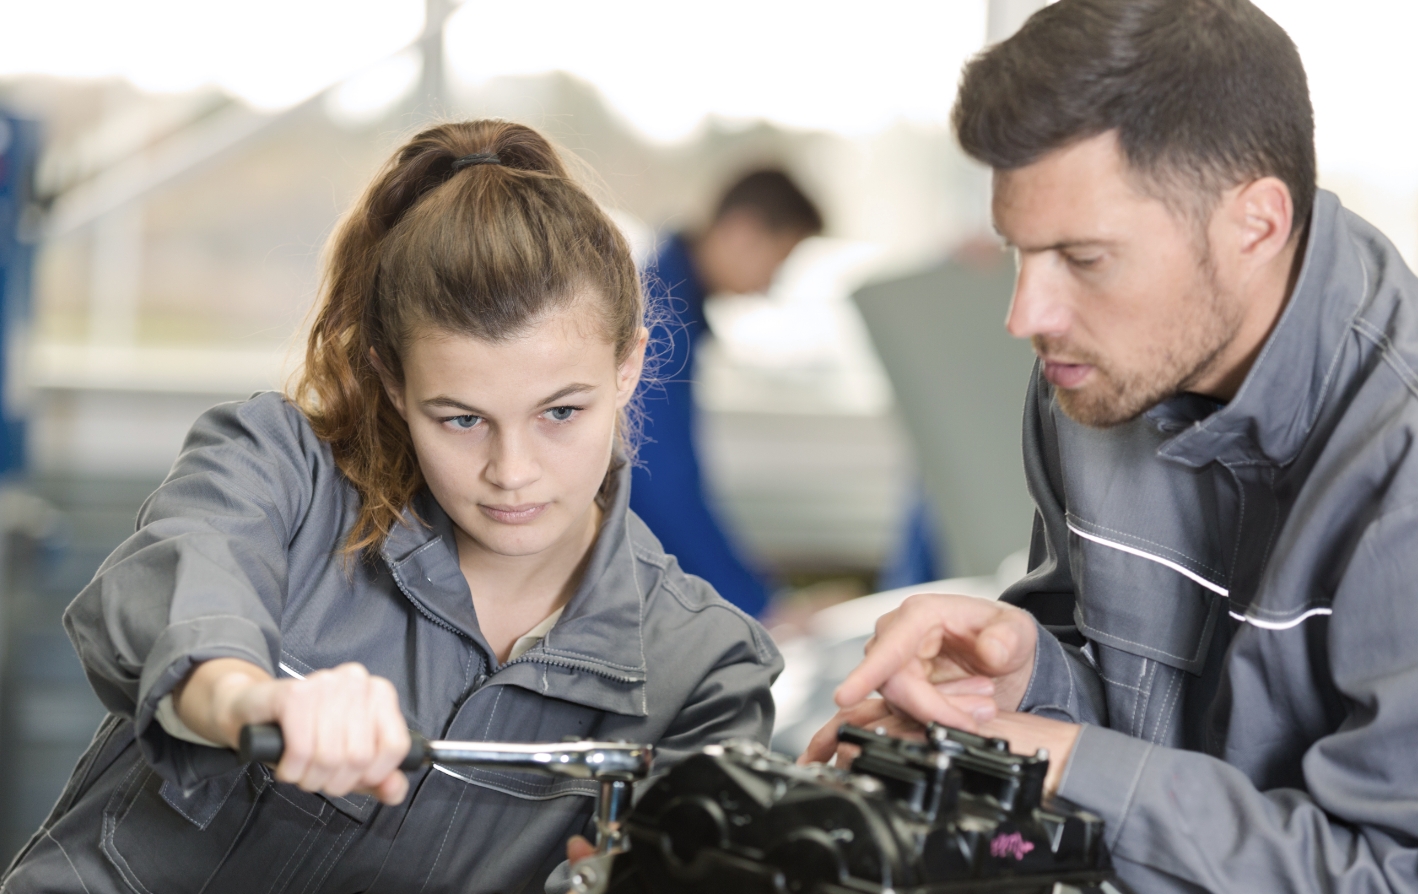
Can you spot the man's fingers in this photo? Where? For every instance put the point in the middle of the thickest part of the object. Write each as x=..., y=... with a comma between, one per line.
x=979, y=708
x=900, y=639
x=939, y=629
x=1001, y=648
x=823, y=744
x=892, y=724
x=961, y=703
x=845, y=754
x=965, y=686
x=898, y=725
x=925, y=703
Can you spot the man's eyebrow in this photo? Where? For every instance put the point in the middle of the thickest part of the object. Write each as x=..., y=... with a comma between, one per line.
x=1061, y=245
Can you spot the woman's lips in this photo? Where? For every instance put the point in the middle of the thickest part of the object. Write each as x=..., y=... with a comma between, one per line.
x=1066, y=375
x=513, y=515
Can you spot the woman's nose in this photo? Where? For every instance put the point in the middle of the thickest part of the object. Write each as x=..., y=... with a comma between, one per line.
x=513, y=464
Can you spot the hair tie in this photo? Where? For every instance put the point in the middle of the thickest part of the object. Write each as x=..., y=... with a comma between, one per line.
x=477, y=158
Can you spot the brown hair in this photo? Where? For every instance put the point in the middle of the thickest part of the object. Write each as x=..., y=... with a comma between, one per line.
x=777, y=201
x=483, y=249
x=1203, y=94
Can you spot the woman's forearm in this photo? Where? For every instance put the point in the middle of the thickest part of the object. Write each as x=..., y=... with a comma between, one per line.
x=222, y=695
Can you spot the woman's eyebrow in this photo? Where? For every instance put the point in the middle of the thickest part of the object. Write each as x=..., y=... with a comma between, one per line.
x=443, y=401
x=574, y=388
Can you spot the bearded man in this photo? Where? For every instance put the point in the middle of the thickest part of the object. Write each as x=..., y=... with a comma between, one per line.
x=1217, y=640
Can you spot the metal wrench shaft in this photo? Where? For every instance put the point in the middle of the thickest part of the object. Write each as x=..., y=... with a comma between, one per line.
x=615, y=765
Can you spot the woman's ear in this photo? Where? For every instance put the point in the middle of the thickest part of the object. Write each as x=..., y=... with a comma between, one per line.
x=628, y=374
x=391, y=387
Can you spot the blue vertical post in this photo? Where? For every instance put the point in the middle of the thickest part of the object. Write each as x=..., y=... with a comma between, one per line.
x=19, y=152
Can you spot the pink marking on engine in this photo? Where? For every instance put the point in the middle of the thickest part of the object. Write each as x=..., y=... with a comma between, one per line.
x=1011, y=845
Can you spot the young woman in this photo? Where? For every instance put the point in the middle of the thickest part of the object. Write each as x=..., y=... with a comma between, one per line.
x=430, y=533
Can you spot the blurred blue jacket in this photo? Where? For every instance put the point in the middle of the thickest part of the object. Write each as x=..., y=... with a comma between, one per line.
x=667, y=489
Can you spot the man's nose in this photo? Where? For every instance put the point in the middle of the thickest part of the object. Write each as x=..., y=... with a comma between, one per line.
x=513, y=464
x=1038, y=307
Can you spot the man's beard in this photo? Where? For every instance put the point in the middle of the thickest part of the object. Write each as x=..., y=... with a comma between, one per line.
x=1116, y=396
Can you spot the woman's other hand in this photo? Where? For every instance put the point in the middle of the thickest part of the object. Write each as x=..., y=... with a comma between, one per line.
x=579, y=848
x=342, y=727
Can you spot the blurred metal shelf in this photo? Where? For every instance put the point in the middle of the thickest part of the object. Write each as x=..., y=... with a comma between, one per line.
x=166, y=369
x=113, y=410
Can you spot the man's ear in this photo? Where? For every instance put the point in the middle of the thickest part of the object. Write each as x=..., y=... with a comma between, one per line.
x=391, y=387
x=1262, y=214
x=628, y=373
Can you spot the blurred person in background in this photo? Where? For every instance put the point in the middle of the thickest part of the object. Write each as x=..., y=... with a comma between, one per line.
x=431, y=532
x=1217, y=640
x=757, y=224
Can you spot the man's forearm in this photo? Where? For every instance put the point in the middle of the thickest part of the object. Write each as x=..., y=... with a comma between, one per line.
x=1182, y=821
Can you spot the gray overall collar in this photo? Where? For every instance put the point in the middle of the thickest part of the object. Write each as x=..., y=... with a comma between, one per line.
x=1280, y=400
x=596, y=646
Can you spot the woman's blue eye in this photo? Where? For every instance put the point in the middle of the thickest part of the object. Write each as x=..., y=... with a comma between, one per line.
x=561, y=414
x=463, y=422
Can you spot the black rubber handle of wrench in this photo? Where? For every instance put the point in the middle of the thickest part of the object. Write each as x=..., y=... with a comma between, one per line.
x=264, y=743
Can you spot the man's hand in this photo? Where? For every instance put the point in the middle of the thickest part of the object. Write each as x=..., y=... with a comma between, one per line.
x=342, y=727
x=878, y=715
x=873, y=714
x=1027, y=733
x=924, y=653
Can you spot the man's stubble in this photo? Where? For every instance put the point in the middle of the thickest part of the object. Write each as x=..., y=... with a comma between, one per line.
x=1118, y=395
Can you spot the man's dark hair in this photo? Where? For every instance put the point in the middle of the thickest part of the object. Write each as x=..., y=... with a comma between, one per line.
x=1203, y=95
x=775, y=199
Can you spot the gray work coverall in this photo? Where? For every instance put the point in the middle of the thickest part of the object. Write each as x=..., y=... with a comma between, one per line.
x=237, y=555
x=1232, y=595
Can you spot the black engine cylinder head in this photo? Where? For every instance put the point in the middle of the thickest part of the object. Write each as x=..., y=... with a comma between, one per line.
x=954, y=813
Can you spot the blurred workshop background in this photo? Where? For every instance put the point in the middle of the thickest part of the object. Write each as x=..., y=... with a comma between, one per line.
x=169, y=170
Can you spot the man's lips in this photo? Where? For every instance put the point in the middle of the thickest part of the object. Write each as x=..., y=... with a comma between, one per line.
x=1066, y=375
x=513, y=515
